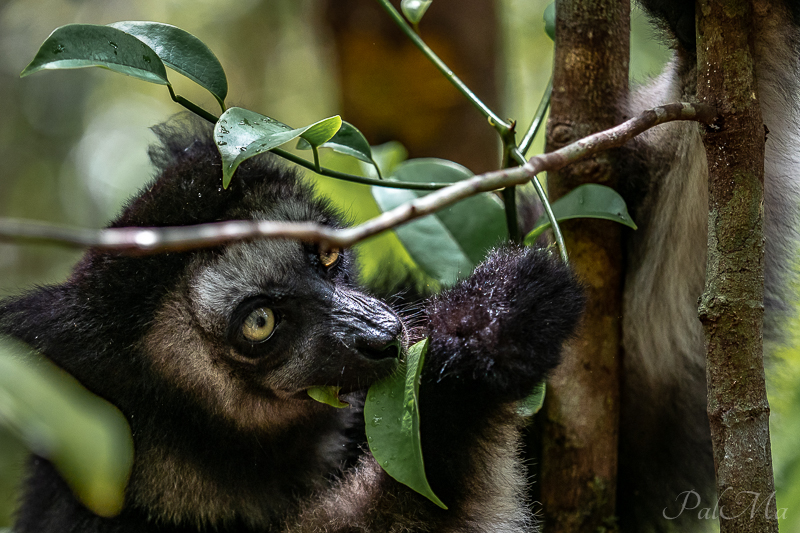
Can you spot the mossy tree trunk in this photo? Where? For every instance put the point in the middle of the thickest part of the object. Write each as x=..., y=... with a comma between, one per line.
x=581, y=414
x=731, y=307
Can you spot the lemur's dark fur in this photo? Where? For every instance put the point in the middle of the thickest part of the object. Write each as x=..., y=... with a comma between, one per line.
x=225, y=436
x=665, y=446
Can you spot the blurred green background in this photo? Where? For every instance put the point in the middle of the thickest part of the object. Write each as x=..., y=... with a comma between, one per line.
x=73, y=143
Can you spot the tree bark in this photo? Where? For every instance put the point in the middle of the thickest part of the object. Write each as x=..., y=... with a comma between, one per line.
x=581, y=414
x=731, y=307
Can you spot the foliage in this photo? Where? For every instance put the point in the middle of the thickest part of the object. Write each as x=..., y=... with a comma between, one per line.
x=451, y=243
x=391, y=413
x=85, y=437
x=585, y=201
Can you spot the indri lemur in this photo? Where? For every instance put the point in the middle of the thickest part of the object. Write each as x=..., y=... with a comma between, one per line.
x=209, y=354
x=665, y=441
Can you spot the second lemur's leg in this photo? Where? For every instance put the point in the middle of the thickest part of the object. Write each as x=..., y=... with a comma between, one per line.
x=665, y=445
x=493, y=337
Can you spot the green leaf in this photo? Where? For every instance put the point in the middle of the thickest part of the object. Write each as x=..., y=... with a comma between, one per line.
x=85, y=437
x=89, y=45
x=550, y=21
x=321, y=132
x=348, y=141
x=391, y=413
x=182, y=52
x=387, y=157
x=328, y=395
x=241, y=134
x=587, y=201
x=449, y=243
x=414, y=10
x=531, y=405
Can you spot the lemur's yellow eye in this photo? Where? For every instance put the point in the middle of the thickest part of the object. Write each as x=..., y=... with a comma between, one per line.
x=329, y=258
x=259, y=324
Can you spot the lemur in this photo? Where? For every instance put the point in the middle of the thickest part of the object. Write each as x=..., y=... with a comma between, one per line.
x=209, y=355
x=665, y=446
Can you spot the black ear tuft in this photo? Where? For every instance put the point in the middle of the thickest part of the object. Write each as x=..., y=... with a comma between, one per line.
x=182, y=137
x=506, y=323
x=188, y=188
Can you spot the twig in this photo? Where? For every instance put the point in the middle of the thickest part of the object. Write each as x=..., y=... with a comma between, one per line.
x=163, y=239
x=538, y=119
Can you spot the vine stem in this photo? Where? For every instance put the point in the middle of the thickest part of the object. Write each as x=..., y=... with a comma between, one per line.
x=538, y=119
x=548, y=209
x=510, y=201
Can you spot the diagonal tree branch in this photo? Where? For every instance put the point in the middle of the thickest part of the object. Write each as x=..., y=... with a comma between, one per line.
x=163, y=239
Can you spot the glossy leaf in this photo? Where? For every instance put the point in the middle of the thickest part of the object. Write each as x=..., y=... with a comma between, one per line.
x=587, y=201
x=387, y=157
x=414, y=10
x=451, y=242
x=550, y=21
x=321, y=132
x=241, y=134
x=348, y=141
x=182, y=52
x=85, y=437
x=327, y=395
x=89, y=45
x=391, y=414
x=531, y=405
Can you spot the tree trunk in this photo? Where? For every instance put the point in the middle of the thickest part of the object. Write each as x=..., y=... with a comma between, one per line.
x=731, y=307
x=581, y=414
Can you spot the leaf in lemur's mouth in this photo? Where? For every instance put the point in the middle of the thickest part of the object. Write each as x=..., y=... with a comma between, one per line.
x=531, y=404
x=328, y=395
x=391, y=413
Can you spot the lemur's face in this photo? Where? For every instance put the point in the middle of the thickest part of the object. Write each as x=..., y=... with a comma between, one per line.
x=257, y=324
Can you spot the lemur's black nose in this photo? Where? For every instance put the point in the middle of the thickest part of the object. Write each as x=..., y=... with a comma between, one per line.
x=367, y=325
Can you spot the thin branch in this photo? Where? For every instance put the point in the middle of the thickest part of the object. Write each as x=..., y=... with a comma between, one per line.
x=391, y=184
x=512, y=222
x=538, y=119
x=191, y=106
x=548, y=210
x=497, y=123
x=152, y=240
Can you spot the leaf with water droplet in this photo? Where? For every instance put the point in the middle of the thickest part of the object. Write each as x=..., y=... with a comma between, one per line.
x=182, y=52
x=252, y=134
x=587, y=201
x=393, y=435
x=90, y=45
